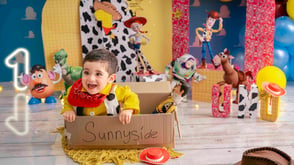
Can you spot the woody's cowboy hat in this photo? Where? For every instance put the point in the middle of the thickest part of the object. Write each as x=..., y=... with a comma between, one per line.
x=265, y=156
x=154, y=155
x=107, y=7
x=273, y=89
x=129, y=22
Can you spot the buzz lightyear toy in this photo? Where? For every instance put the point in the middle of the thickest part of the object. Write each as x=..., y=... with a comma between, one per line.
x=183, y=68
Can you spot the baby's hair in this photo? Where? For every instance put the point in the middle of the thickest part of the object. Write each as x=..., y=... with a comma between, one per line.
x=104, y=56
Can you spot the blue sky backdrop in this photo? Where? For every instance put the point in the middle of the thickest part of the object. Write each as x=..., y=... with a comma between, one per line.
x=232, y=37
x=20, y=27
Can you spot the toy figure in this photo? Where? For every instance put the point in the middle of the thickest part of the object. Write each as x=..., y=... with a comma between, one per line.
x=183, y=68
x=106, y=13
x=169, y=105
x=207, y=32
x=95, y=94
x=40, y=84
x=232, y=75
x=138, y=39
x=70, y=74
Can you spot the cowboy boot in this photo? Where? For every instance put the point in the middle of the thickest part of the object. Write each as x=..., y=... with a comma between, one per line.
x=203, y=65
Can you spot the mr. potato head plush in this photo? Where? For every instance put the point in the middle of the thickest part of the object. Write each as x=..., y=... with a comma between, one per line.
x=40, y=83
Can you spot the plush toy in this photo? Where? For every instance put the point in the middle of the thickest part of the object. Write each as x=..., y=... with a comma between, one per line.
x=138, y=39
x=169, y=105
x=40, y=84
x=183, y=68
x=69, y=73
x=206, y=35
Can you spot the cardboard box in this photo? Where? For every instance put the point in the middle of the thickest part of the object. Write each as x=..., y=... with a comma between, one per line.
x=145, y=129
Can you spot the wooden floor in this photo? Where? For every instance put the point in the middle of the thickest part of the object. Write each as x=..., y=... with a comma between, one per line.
x=25, y=136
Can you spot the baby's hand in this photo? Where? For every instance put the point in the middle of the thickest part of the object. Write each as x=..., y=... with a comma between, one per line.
x=69, y=116
x=125, y=116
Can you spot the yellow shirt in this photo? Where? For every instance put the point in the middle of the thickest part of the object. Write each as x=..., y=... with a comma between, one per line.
x=127, y=99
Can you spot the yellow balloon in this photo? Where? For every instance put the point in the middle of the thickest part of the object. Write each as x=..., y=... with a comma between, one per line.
x=271, y=74
x=290, y=8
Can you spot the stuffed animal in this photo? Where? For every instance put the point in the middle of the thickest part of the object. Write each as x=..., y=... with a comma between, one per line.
x=169, y=105
x=232, y=75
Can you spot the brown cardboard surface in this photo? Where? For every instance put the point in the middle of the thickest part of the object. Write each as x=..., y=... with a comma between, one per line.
x=145, y=129
x=107, y=132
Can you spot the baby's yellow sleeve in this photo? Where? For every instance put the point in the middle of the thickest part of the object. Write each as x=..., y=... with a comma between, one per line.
x=128, y=99
x=66, y=105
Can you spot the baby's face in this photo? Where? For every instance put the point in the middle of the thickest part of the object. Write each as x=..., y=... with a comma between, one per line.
x=95, y=76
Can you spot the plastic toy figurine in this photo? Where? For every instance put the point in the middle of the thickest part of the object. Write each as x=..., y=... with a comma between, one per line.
x=70, y=74
x=232, y=75
x=206, y=35
x=106, y=13
x=40, y=84
x=183, y=68
x=169, y=105
x=138, y=39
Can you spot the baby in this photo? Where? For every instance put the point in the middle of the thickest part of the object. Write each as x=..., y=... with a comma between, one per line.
x=95, y=94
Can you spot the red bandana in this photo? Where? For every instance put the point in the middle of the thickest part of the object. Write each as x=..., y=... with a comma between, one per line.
x=83, y=99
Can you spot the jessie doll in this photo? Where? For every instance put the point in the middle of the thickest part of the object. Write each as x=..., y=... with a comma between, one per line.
x=138, y=39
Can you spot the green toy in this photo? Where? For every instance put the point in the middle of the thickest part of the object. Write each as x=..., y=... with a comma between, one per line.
x=69, y=73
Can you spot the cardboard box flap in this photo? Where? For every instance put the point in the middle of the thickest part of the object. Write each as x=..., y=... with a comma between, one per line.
x=149, y=87
x=150, y=94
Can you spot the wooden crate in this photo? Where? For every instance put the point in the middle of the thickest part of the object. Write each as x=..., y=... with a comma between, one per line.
x=202, y=90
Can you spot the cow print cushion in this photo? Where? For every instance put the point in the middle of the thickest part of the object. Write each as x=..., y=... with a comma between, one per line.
x=93, y=37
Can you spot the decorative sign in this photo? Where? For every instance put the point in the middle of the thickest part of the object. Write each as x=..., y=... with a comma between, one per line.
x=15, y=118
x=215, y=101
x=15, y=65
